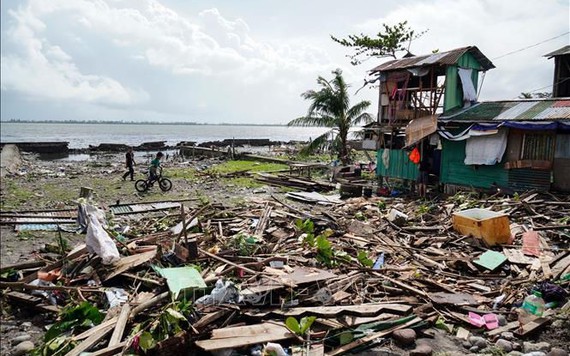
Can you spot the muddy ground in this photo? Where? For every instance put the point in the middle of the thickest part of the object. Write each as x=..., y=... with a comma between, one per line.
x=56, y=184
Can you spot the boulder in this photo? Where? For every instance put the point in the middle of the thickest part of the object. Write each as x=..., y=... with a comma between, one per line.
x=404, y=337
x=421, y=350
x=22, y=348
x=504, y=345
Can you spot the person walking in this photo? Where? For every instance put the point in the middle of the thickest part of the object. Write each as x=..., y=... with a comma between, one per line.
x=129, y=164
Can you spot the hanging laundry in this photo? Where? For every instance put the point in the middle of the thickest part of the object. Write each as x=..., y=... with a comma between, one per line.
x=415, y=156
x=386, y=158
x=486, y=150
x=469, y=92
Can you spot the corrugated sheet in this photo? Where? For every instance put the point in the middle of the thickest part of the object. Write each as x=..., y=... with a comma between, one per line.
x=454, y=171
x=529, y=179
x=400, y=165
x=559, y=52
x=442, y=58
x=554, y=113
x=515, y=111
x=519, y=110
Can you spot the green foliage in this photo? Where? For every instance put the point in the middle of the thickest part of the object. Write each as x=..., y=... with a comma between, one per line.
x=325, y=252
x=381, y=205
x=308, y=227
x=83, y=316
x=300, y=328
x=387, y=43
x=60, y=345
x=146, y=341
x=242, y=165
x=516, y=196
x=360, y=216
x=330, y=107
x=246, y=245
x=362, y=257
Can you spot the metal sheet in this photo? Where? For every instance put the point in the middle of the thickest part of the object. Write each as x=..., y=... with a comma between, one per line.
x=515, y=111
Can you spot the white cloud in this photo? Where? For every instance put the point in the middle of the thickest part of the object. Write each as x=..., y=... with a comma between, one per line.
x=496, y=28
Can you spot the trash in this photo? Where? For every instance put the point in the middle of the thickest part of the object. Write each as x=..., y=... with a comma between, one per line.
x=379, y=261
x=531, y=243
x=181, y=279
x=116, y=296
x=222, y=293
x=397, y=217
x=490, y=260
x=98, y=240
x=274, y=349
x=531, y=308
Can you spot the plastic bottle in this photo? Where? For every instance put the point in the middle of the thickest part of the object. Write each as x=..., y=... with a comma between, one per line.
x=532, y=307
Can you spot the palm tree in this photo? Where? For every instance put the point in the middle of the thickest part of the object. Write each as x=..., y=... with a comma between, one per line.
x=330, y=107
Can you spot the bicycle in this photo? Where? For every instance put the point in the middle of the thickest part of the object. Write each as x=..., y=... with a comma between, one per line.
x=142, y=185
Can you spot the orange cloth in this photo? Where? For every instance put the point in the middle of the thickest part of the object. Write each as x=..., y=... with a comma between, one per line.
x=415, y=156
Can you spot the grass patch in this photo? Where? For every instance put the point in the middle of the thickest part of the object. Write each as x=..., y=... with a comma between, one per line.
x=15, y=196
x=243, y=182
x=184, y=173
x=252, y=166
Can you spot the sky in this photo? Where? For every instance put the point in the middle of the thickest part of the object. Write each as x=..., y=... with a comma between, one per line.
x=248, y=61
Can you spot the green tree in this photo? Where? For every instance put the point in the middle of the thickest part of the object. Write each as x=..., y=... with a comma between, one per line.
x=387, y=43
x=330, y=107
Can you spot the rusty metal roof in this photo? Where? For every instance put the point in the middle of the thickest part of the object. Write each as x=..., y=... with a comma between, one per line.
x=559, y=52
x=441, y=58
x=513, y=110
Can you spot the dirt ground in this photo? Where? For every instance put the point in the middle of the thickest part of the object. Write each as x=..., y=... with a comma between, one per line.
x=56, y=184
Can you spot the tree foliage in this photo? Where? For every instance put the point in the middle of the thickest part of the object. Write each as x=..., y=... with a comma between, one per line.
x=387, y=43
x=330, y=107
x=541, y=95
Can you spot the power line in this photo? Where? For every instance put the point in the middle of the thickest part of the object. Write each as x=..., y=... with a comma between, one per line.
x=527, y=47
x=547, y=86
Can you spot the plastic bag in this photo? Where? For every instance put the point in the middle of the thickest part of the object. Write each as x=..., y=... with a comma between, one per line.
x=222, y=293
x=99, y=242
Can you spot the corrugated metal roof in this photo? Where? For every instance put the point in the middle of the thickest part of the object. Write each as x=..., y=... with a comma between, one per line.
x=559, y=52
x=512, y=110
x=442, y=58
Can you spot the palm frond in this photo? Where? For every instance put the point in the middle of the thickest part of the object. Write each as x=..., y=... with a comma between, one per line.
x=357, y=109
x=320, y=142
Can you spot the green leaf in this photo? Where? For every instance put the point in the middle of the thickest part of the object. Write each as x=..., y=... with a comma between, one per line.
x=146, y=341
x=364, y=260
x=306, y=323
x=345, y=338
x=293, y=325
x=175, y=314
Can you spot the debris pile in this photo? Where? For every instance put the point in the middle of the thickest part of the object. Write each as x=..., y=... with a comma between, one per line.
x=302, y=279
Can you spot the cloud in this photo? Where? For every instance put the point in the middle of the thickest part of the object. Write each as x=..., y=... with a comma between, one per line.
x=42, y=70
x=496, y=28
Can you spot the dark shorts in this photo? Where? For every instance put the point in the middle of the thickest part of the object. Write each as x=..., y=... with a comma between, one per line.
x=423, y=178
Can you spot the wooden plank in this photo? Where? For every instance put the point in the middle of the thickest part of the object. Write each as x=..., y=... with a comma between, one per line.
x=560, y=266
x=453, y=298
x=120, y=326
x=126, y=263
x=357, y=310
x=516, y=256
x=510, y=326
x=532, y=326
x=99, y=332
x=110, y=350
x=245, y=335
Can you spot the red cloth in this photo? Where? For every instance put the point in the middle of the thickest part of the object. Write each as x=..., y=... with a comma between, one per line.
x=415, y=156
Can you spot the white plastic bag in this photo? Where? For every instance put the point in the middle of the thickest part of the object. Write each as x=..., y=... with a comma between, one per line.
x=99, y=242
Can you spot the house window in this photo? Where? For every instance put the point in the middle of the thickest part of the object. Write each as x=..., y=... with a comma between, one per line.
x=539, y=147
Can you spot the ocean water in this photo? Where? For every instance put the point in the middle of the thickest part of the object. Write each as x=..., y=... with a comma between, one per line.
x=83, y=135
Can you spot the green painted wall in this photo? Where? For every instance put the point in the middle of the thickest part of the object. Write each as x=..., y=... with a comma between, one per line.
x=453, y=91
x=400, y=165
x=454, y=171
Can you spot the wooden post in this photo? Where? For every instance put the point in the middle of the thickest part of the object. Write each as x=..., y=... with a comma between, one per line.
x=86, y=192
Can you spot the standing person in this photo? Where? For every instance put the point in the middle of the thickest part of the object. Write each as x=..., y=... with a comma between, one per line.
x=154, y=166
x=129, y=164
x=424, y=176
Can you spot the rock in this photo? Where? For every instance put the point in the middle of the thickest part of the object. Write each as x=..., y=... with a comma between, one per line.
x=478, y=341
x=25, y=325
x=507, y=335
x=20, y=338
x=502, y=320
x=504, y=345
x=404, y=337
x=421, y=350
x=22, y=348
x=517, y=346
x=515, y=353
x=379, y=351
x=466, y=344
x=474, y=349
x=539, y=346
x=535, y=353
x=557, y=352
